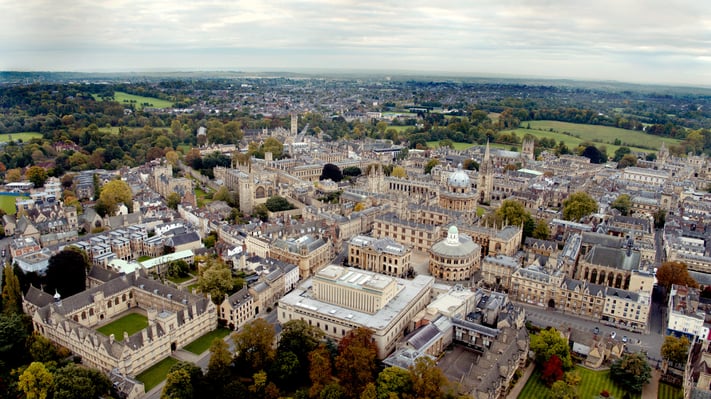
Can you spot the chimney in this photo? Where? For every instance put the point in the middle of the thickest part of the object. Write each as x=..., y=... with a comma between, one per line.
x=125, y=336
x=111, y=339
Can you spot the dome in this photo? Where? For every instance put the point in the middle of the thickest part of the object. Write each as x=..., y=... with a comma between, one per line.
x=459, y=178
x=453, y=230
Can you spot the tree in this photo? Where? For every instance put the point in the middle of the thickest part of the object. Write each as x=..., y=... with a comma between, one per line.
x=334, y=391
x=274, y=146
x=13, y=175
x=674, y=273
x=621, y=152
x=542, y=231
x=223, y=194
x=631, y=372
x=577, y=205
x=298, y=337
x=431, y=164
x=261, y=212
x=253, y=345
x=278, y=204
x=675, y=350
x=549, y=342
x=320, y=370
x=427, y=378
x=626, y=161
x=512, y=212
x=399, y=171
x=356, y=360
x=393, y=382
x=11, y=292
x=595, y=155
x=552, y=370
x=196, y=379
x=114, y=193
x=177, y=385
x=178, y=268
x=36, y=382
x=13, y=335
x=219, y=374
x=37, y=175
x=173, y=200
x=66, y=272
x=622, y=203
x=172, y=157
x=352, y=171
x=76, y=382
x=287, y=369
x=215, y=278
x=562, y=390
x=41, y=349
x=660, y=218
x=332, y=172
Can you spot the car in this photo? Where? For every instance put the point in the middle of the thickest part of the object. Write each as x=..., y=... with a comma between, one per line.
x=596, y=330
x=613, y=335
x=624, y=338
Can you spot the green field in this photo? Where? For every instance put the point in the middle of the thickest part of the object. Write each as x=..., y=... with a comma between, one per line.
x=139, y=101
x=637, y=141
x=131, y=323
x=154, y=375
x=593, y=382
x=457, y=146
x=203, y=343
x=109, y=129
x=24, y=136
x=667, y=391
x=401, y=129
x=7, y=203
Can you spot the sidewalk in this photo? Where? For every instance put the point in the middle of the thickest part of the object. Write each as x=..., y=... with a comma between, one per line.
x=651, y=390
x=522, y=382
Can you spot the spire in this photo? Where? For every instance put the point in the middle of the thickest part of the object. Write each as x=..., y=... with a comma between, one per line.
x=486, y=153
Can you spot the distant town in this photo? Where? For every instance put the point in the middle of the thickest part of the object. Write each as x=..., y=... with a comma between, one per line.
x=353, y=237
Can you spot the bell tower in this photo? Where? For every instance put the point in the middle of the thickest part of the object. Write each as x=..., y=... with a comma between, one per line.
x=485, y=180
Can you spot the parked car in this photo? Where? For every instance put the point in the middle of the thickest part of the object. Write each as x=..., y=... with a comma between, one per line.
x=624, y=338
x=596, y=330
x=613, y=334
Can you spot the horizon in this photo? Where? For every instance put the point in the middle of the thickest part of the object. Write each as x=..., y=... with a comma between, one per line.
x=664, y=43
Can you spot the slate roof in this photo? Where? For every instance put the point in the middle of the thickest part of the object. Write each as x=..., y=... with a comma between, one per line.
x=613, y=257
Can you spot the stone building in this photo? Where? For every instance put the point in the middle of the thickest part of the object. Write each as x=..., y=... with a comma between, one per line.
x=383, y=255
x=458, y=195
x=455, y=258
x=307, y=252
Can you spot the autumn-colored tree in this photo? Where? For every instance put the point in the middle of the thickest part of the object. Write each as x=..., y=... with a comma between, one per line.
x=177, y=385
x=674, y=273
x=13, y=175
x=394, y=382
x=356, y=361
x=36, y=381
x=113, y=194
x=675, y=350
x=542, y=231
x=11, y=292
x=427, y=379
x=254, y=349
x=320, y=370
x=399, y=171
x=41, y=349
x=552, y=370
x=215, y=278
x=37, y=175
x=562, y=390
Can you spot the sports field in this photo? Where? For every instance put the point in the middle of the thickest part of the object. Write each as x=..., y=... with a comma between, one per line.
x=593, y=382
x=7, y=203
x=131, y=323
x=577, y=133
x=24, y=136
x=139, y=101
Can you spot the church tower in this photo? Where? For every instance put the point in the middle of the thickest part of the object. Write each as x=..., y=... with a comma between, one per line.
x=246, y=194
x=485, y=181
x=376, y=179
x=294, y=124
x=528, y=149
x=663, y=155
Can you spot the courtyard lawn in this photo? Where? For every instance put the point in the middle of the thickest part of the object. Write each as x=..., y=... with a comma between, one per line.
x=24, y=136
x=144, y=258
x=7, y=203
x=154, y=375
x=593, y=382
x=201, y=195
x=180, y=280
x=203, y=343
x=667, y=391
x=131, y=323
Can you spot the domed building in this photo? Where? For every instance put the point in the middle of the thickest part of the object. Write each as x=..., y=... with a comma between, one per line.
x=455, y=258
x=458, y=195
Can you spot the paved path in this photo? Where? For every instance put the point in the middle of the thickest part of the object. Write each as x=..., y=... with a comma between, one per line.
x=651, y=390
x=521, y=382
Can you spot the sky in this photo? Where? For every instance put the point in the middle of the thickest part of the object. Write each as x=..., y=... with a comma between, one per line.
x=639, y=41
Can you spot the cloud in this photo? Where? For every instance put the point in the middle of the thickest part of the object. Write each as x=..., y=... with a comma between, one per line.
x=662, y=41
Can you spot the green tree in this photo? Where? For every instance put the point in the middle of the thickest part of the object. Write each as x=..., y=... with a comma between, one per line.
x=177, y=385
x=393, y=382
x=178, y=269
x=594, y=154
x=278, y=204
x=632, y=372
x=261, y=212
x=356, y=361
x=513, y=213
x=370, y=392
x=219, y=373
x=332, y=172
x=36, y=382
x=431, y=164
x=674, y=273
x=215, y=278
x=549, y=342
x=660, y=218
x=577, y=205
x=37, y=175
x=223, y=194
x=254, y=345
x=300, y=338
x=675, y=350
x=173, y=200
x=622, y=203
x=66, y=272
x=41, y=349
x=287, y=369
x=542, y=231
x=76, y=382
x=114, y=193
x=562, y=390
x=427, y=379
x=620, y=152
x=13, y=335
x=11, y=292
x=274, y=146
x=627, y=161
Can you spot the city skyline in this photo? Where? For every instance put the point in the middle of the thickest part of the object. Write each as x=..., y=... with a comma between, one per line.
x=639, y=42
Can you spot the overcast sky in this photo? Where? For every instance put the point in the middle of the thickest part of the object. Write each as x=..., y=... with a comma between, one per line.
x=662, y=41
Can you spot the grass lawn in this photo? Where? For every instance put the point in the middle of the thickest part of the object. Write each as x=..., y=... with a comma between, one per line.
x=593, y=382
x=154, y=375
x=24, y=136
x=180, y=280
x=203, y=343
x=636, y=140
x=131, y=323
x=139, y=101
x=193, y=286
x=200, y=195
x=143, y=258
x=457, y=146
x=667, y=391
x=110, y=129
x=7, y=203
x=400, y=129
